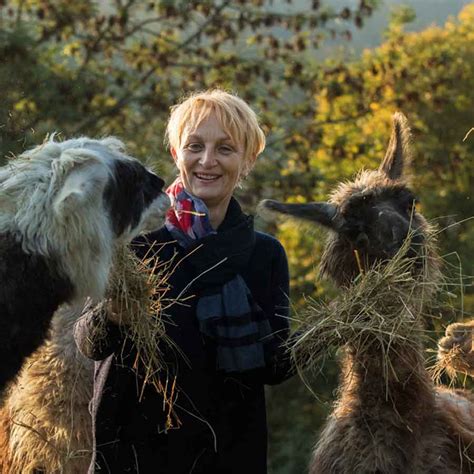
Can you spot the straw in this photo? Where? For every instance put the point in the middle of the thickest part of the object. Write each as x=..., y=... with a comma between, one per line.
x=382, y=309
x=138, y=290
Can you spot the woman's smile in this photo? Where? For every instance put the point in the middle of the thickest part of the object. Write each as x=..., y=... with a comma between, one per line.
x=210, y=178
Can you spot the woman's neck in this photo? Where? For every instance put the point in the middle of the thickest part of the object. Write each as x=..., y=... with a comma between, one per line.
x=217, y=213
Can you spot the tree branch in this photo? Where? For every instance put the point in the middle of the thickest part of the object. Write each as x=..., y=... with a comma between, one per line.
x=129, y=96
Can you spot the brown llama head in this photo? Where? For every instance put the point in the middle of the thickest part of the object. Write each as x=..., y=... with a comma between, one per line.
x=370, y=217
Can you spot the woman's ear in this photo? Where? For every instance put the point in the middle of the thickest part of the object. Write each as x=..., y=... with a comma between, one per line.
x=174, y=154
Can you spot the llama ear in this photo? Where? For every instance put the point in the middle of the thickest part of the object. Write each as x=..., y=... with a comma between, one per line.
x=78, y=178
x=321, y=213
x=397, y=156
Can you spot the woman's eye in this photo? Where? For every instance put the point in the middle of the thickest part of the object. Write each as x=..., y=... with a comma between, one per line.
x=226, y=150
x=194, y=147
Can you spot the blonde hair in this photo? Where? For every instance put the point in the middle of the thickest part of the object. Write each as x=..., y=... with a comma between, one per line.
x=238, y=120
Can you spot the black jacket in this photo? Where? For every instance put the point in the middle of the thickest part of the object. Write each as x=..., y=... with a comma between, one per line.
x=223, y=420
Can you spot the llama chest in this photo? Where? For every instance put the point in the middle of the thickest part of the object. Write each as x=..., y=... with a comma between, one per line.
x=30, y=291
x=381, y=444
x=29, y=283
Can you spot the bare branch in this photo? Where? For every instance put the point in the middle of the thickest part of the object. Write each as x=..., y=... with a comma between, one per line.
x=131, y=92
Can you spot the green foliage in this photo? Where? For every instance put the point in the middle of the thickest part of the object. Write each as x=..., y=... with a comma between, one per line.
x=89, y=67
x=295, y=416
x=402, y=14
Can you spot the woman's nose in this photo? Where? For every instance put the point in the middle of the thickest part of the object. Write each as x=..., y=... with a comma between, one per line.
x=208, y=158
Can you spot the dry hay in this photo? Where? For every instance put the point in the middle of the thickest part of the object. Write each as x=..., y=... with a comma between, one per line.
x=138, y=294
x=446, y=364
x=383, y=309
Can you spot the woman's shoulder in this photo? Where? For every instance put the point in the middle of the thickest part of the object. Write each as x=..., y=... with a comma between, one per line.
x=160, y=241
x=269, y=244
x=263, y=238
x=268, y=265
x=161, y=235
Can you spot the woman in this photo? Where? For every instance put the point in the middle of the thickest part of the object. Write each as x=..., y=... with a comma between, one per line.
x=229, y=324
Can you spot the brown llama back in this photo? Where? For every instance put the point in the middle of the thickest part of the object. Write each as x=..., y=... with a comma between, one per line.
x=389, y=417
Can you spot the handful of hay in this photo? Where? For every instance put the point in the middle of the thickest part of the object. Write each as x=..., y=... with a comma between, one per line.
x=137, y=290
x=382, y=309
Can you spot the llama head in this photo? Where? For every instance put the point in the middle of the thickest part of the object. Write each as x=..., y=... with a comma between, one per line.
x=370, y=217
x=456, y=349
x=73, y=201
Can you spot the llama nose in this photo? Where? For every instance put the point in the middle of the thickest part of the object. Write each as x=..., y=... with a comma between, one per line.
x=156, y=182
x=455, y=331
x=391, y=227
x=362, y=241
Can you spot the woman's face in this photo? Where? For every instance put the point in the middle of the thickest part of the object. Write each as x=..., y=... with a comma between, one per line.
x=210, y=163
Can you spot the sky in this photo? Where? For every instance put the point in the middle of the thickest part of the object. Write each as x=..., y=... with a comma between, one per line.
x=427, y=12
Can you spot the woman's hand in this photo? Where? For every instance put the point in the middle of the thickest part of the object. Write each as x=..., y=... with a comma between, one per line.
x=121, y=312
x=117, y=312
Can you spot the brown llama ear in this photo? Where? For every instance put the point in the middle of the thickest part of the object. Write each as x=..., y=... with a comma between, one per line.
x=397, y=156
x=321, y=213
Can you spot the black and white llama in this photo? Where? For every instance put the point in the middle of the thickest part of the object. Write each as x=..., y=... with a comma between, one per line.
x=63, y=207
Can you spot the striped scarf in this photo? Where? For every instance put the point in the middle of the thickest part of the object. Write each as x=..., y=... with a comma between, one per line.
x=226, y=310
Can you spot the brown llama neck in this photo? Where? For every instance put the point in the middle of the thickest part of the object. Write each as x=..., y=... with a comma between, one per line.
x=397, y=382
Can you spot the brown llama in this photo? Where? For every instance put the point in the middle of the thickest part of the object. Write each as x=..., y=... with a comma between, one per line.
x=45, y=425
x=384, y=421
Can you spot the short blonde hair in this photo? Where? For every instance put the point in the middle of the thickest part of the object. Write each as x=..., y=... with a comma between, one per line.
x=238, y=120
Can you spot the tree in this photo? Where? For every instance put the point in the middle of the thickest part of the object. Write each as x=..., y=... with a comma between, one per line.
x=89, y=67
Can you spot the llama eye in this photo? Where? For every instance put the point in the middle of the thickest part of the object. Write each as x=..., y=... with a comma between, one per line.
x=412, y=204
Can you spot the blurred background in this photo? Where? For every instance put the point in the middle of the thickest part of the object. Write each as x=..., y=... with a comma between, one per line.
x=325, y=78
